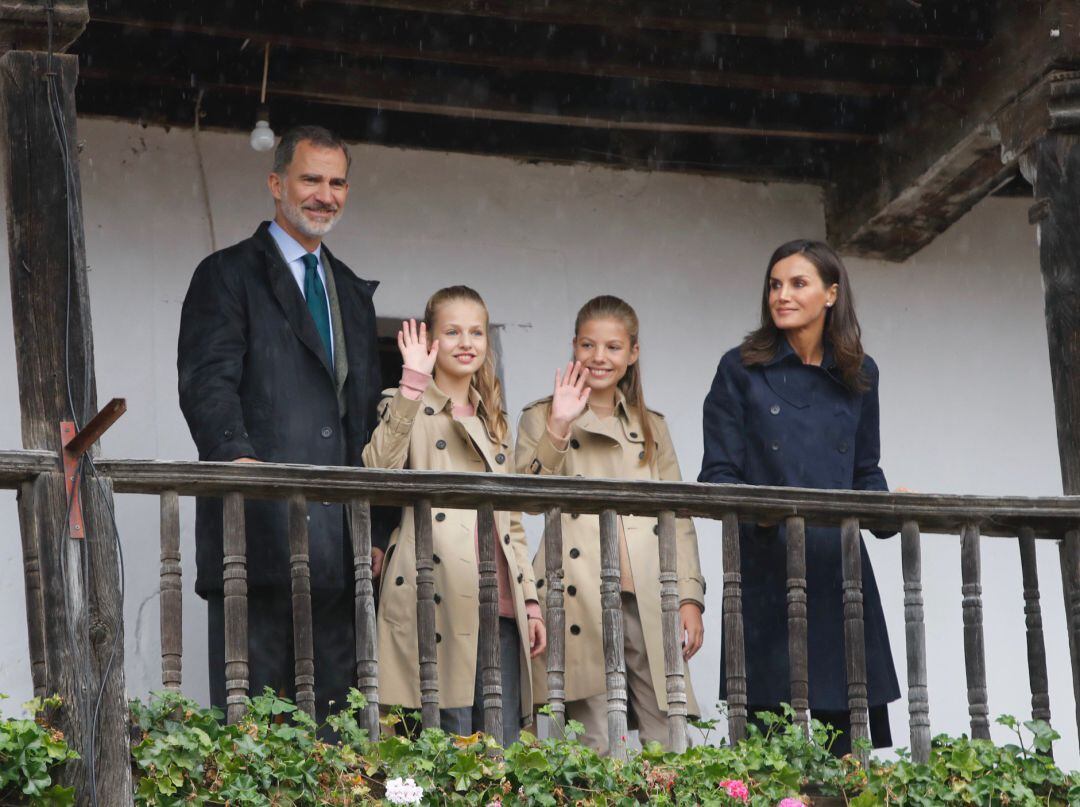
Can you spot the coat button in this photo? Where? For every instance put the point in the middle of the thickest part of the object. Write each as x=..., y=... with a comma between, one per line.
x=575, y=515
x=521, y=576
x=641, y=455
x=440, y=516
x=574, y=443
x=571, y=590
x=506, y=539
x=842, y=448
x=575, y=552
x=400, y=581
x=440, y=444
x=500, y=458
x=776, y=445
x=575, y=629
x=438, y=599
x=540, y=583
x=438, y=638
x=228, y=434
x=428, y=410
x=655, y=529
x=436, y=559
x=633, y=435
x=774, y=409
x=326, y=431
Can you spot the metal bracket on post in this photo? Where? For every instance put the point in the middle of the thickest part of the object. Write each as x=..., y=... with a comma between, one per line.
x=74, y=445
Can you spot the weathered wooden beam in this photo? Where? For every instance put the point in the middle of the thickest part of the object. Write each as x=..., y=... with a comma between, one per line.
x=556, y=617
x=614, y=651
x=674, y=677
x=171, y=594
x=938, y=514
x=866, y=24
x=367, y=643
x=30, y=25
x=854, y=633
x=488, y=660
x=303, y=634
x=608, y=65
x=798, y=658
x=35, y=606
x=915, y=636
x=947, y=155
x=84, y=653
x=734, y=638
x=1036, y=644
x=426, y=635
x=17, y=467
x=974, y=644
x=235, y=594
x=369, y=90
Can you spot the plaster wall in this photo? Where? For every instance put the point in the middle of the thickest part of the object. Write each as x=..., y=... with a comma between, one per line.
x=958, y=332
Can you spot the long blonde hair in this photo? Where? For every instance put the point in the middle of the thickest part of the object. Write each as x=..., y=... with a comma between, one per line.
x=485, y=380
x=608, y=307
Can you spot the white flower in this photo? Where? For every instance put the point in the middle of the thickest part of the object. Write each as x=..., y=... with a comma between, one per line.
x=403, y=791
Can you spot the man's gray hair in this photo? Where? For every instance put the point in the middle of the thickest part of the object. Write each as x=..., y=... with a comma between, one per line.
x=316, y=135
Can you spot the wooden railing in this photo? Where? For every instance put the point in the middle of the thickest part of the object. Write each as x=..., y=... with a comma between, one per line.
x=1026, y=520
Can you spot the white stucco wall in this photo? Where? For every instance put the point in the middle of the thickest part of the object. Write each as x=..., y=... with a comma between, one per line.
x=958, y=332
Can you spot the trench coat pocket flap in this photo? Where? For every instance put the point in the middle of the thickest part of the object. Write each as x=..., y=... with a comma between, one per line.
x=776, y=377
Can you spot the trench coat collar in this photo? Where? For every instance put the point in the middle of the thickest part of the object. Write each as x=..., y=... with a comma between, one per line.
x=784, y=385
x=624, y=426
x=289, y=297
x=475, y=427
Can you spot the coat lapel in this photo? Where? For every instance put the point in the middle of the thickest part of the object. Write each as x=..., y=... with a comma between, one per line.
x=291, y=300
x=782, y=376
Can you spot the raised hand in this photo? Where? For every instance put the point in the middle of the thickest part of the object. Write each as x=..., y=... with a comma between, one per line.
x=569, y=399
x=415, y=354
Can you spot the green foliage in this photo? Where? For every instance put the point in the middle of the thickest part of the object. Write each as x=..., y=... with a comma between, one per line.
x=30, y=754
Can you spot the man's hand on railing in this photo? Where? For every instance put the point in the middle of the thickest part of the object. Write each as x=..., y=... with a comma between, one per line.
x=692, y=629
x=376, y=562
x=246, y=459
x=537, y=637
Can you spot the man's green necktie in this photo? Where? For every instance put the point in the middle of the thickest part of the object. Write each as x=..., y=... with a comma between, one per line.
x=316, y=300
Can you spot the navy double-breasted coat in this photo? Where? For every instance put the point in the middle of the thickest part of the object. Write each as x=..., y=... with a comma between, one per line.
x=795, y=425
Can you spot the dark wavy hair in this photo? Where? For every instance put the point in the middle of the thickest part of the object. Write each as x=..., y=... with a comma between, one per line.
x=842, y=329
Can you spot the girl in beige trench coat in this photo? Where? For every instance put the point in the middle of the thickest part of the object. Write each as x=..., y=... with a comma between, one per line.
x=453, y=421
x=596, y=425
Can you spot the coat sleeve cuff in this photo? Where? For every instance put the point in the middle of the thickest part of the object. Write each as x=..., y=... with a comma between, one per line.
x=692, y=589
x=402, y=413
x=232, y=450
x=532, y=610
x=549, y=457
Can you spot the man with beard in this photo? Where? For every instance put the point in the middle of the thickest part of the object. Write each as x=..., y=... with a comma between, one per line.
x=278, y=362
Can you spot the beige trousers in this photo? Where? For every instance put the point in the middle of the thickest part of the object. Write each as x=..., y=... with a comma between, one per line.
x=592, y=712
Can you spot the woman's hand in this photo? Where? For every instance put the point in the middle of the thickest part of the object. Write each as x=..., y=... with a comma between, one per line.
x=568, y=400
x=415, y=354
x=691, y=628
x=537, y=637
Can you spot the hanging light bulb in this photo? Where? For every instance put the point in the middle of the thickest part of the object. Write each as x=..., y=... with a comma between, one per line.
x=262, y=136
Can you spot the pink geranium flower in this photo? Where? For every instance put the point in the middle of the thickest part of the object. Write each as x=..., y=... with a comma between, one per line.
x=791, y=802
x=736, y=789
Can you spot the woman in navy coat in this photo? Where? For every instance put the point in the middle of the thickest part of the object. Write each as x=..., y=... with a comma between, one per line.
x=796, y=405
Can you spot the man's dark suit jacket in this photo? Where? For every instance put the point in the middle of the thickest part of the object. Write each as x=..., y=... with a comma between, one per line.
x=256, y=382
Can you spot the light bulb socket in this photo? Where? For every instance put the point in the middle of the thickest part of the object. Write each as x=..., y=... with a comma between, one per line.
x=262, y=112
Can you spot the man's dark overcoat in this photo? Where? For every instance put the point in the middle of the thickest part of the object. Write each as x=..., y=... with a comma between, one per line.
x=255, y=381
x=795, y=425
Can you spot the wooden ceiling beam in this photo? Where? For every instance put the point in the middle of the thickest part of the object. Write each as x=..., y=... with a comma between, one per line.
x=949, y=153
x=640, y=71
x=879, y=25
x=370, y=91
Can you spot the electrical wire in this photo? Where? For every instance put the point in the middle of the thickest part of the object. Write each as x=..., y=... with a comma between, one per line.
x=56, y=111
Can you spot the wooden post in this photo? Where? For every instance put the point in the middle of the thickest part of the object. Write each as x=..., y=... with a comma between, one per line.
x=854, y=631
x=488, y=657
x=798, y=661
x=425, y=617
x=675, y=682
x=234, y=585
x=171, y=603
x=1036, y=644
x=974, y=649
x=915, y=633
x=35, y=613
x=83, y=627
x=1069, y=554
x=614, y=653
x=367, y=644
x=300, y=570
x=556, y=617
x=734, y=641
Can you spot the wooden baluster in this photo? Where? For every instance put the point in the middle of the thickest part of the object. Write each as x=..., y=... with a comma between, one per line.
x=974, y=650
x=234, y=576
x=734, y=642
x=669, y=609
x=556, y=616
x=854, y=631
x=35, y=604
x=172, y=594
x=303, y=642
x=489, y=659
x=614, y=656
x=918, y=691
x=367, y=644
x=798, y=663
x=1069, y=553
x=425, y=617
x=1036, y=644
